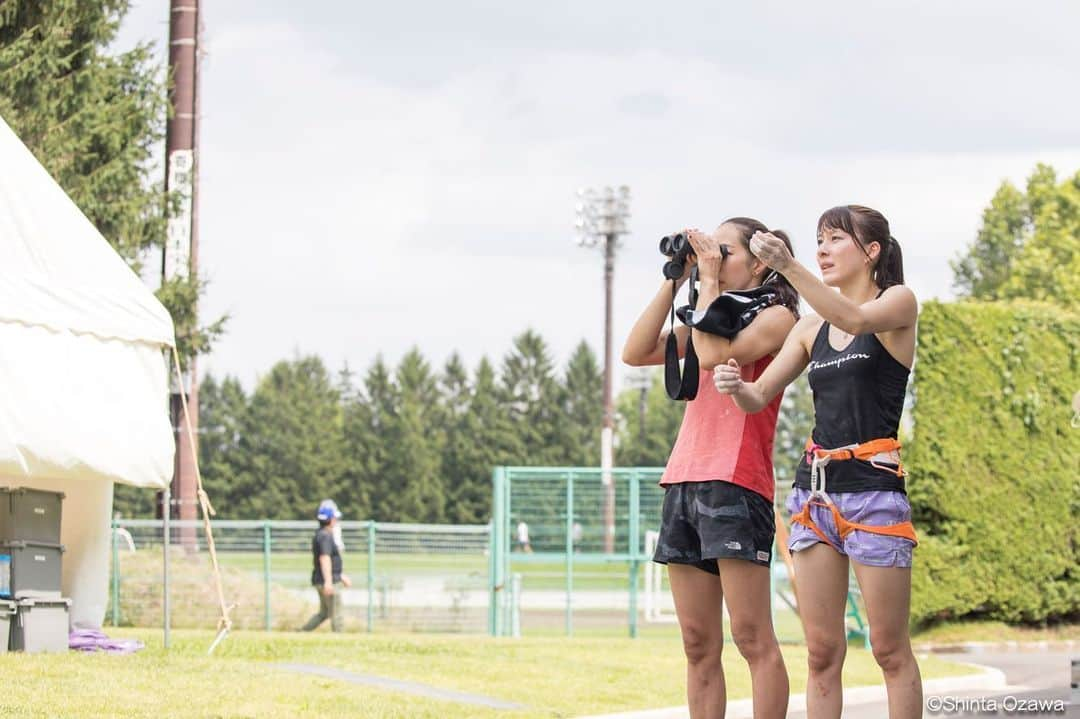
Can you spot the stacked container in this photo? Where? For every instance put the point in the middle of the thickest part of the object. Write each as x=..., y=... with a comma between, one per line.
x=30, y=564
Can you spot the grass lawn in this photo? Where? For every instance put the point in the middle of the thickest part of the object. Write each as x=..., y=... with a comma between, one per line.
x=552, y=677
x=294, y=569
x=959, y=632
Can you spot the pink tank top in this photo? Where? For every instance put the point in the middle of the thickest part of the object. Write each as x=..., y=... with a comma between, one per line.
x=718, y=441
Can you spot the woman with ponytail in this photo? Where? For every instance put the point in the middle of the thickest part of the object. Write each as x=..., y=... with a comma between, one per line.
x=849, y=501
x=718, y=519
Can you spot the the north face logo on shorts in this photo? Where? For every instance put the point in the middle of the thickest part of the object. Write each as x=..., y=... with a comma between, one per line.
x=733, y=545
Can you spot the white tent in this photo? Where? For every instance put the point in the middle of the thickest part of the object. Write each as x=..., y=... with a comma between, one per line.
x=83, y=381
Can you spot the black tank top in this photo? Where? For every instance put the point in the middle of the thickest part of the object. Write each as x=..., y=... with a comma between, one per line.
x=858, y=396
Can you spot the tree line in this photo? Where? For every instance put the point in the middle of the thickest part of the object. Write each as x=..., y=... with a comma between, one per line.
x=413, y=443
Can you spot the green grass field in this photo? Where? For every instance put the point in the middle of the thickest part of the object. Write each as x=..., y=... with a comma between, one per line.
x=294, y=568
x=552, y=677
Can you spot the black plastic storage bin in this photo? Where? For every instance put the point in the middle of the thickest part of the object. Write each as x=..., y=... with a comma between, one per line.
x=30, y=515
x=32, y=569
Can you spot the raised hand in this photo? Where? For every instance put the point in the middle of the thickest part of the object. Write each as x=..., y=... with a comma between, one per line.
x=771, y=250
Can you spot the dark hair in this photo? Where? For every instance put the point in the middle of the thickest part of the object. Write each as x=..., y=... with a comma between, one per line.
x=867, y=226
x=324, y=522
x=788, y=295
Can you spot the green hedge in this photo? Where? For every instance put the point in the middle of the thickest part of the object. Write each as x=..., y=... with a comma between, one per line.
x=994, y=468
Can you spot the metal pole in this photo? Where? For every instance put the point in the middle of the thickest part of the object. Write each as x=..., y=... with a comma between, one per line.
x=115, y=576
x=166, y=510
x=180, y=257
x=507, y=489
x=492, y=563
x=607, y=435
x=515, y=609
x=371, y=576
x=634, y=549
x=266, y=574
x=497, y=522
x=570, y=555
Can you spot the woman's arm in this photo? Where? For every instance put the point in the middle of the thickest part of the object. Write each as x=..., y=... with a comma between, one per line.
x=789, y=363
x=764, y=336
x=647, y=339
x=895, y=309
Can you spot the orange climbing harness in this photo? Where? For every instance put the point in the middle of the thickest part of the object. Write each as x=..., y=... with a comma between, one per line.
x=881, y=453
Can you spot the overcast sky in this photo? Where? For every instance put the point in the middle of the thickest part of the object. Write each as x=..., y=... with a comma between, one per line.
x=382, y=175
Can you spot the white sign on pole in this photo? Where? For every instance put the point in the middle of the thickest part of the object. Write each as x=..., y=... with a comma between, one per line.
x=178, y=233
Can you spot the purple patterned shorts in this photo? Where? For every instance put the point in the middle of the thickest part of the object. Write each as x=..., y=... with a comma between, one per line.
x=875, y=508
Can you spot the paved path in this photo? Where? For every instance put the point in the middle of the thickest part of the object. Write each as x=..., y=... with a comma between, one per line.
x=1029, y=675
x=414, y=688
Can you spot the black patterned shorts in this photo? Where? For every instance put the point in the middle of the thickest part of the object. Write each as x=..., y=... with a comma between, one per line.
x=706, y=521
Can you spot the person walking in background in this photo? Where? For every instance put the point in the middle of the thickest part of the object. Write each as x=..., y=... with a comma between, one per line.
x=326, y=576
x=523, y=537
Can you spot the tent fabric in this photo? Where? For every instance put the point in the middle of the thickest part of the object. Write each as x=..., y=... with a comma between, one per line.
x=82, y=374
x=83, y=378
x=78, y=408
x=58, y=271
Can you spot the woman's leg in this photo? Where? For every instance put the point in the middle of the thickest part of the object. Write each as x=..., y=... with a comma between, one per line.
x=699, y=605
x=746, y=586
x=821, y=582
x=887, y=593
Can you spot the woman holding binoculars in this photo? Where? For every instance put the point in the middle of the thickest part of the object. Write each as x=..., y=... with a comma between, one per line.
x=718, y=520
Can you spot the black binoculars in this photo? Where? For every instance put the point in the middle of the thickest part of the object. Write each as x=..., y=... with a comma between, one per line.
x=676, y=248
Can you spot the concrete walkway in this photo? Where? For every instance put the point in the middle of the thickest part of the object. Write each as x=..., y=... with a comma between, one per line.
x=988, y=679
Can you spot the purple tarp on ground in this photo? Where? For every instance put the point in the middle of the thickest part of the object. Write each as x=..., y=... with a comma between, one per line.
x=91, y=640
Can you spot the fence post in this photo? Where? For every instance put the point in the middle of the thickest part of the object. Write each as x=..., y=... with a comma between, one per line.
x=166, y=510
x=570, y=554
x=515, y=608
x=371, y=576
x=506, y=543
x=634, y=542
x=266, y=574
x=496, y=579
x=115, y=576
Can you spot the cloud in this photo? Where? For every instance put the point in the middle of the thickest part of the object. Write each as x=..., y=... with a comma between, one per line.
x=378, y=177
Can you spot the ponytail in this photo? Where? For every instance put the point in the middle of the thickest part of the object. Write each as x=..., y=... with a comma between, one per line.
x=889, y=269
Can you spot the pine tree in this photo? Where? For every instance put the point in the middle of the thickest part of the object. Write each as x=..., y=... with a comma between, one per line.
x=414, y=441
x=583, y=407
x=222, y=416
x=368, y=417
x=293, y=443
x=95, y=119
x=478, y=440
x=533, y=399
x=648, y=444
